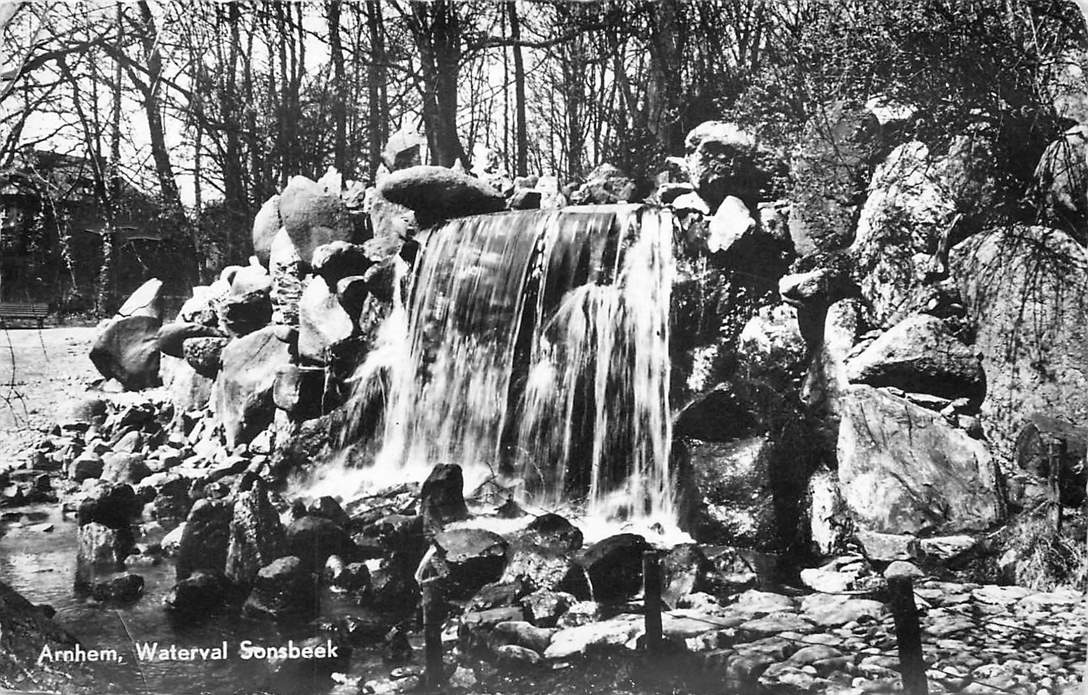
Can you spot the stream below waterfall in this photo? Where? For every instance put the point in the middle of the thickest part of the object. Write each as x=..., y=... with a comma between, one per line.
x=41, y=567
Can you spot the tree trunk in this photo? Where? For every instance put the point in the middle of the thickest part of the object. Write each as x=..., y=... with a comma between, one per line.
x=106, y=284
x=574, y=66
x=339, y=106
x=234, y=167
x=437, y=32
x=378, y=109
x=521, y=136
x=160, y=153
x=663, y=88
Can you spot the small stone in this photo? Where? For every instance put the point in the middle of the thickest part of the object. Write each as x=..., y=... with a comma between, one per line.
x=512, y=654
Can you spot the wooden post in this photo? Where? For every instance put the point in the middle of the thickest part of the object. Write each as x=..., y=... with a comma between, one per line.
x=908, y=635
x=651, y=591
x=434, y=613
x=1056, y=458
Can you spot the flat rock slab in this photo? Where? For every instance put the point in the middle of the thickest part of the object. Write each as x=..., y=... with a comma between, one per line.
x=755, y=603
x=576, y=640
x=832, y=610
x=777, y=623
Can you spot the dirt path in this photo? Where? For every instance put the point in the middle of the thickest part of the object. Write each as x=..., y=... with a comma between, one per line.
x=39, y=371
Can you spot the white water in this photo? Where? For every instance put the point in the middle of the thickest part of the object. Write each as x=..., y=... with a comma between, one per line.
x=533, y=350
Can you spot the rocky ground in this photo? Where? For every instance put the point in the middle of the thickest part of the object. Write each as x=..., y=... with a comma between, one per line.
x=522, y=614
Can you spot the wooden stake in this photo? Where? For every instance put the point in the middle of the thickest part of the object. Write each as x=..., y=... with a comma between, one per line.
x=908, y=635
x=651, y=590
x=434, y=613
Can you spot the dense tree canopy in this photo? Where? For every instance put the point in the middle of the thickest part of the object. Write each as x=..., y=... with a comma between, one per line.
x=214, y=106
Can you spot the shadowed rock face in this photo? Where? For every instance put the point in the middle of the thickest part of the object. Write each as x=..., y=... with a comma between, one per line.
x=24, y=632
x=441, y=499
x=243, y=390
x=1062, y=175
x=1026, y=290
x=206, y=538
x=256, y=535
x=831, y=169
x=127, y=350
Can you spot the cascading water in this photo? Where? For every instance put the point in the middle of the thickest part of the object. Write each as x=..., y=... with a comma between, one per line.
x=534, y=347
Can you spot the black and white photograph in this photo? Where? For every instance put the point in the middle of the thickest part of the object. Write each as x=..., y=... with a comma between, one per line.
x=543, y=347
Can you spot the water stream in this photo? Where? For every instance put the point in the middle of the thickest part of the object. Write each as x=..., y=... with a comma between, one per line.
x=42, y=568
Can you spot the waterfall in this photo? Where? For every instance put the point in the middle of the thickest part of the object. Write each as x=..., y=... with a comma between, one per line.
x=534, y=347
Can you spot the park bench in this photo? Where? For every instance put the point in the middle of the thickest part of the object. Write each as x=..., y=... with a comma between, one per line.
x=32, y=311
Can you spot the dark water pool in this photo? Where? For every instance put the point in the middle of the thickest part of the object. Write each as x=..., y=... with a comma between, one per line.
x=41, y=567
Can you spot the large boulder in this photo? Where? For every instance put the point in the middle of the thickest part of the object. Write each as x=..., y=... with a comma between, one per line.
x=918, y=203
x=904, y=469
x=172, y=336
x=771, y=343
x=287, y=270
x=1046, y=443
x=404, y=149
x=1062, y=178
x=542, y=553
x=206, y=538
x=299, y=391
x=467, y=559
x=442, y=497
x=436, y=193
x=723, y=159
x=613, y=567
x=830, y=171
x=243, y=389
x=127, y=350
x=731, y=228
x=1026, y=288
x=266, y=223
x=198, y=595
x=605, y=185
x=920, y=354
x=899, y=229
x=26, y=631
x=339, y=259
x=145, y=301
x=114, y=506
x=123, y=467
x=189, y=390
x=283, y=590
x=256, y=535
x=323, y=324
x=313, y=215
x=390, y=220
x=718, y=415
x=100, y=551
x=204, y=355
x=247, y=307
x=314, y=538
x=827, y=378
x=736, y=504
x=202, y=306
